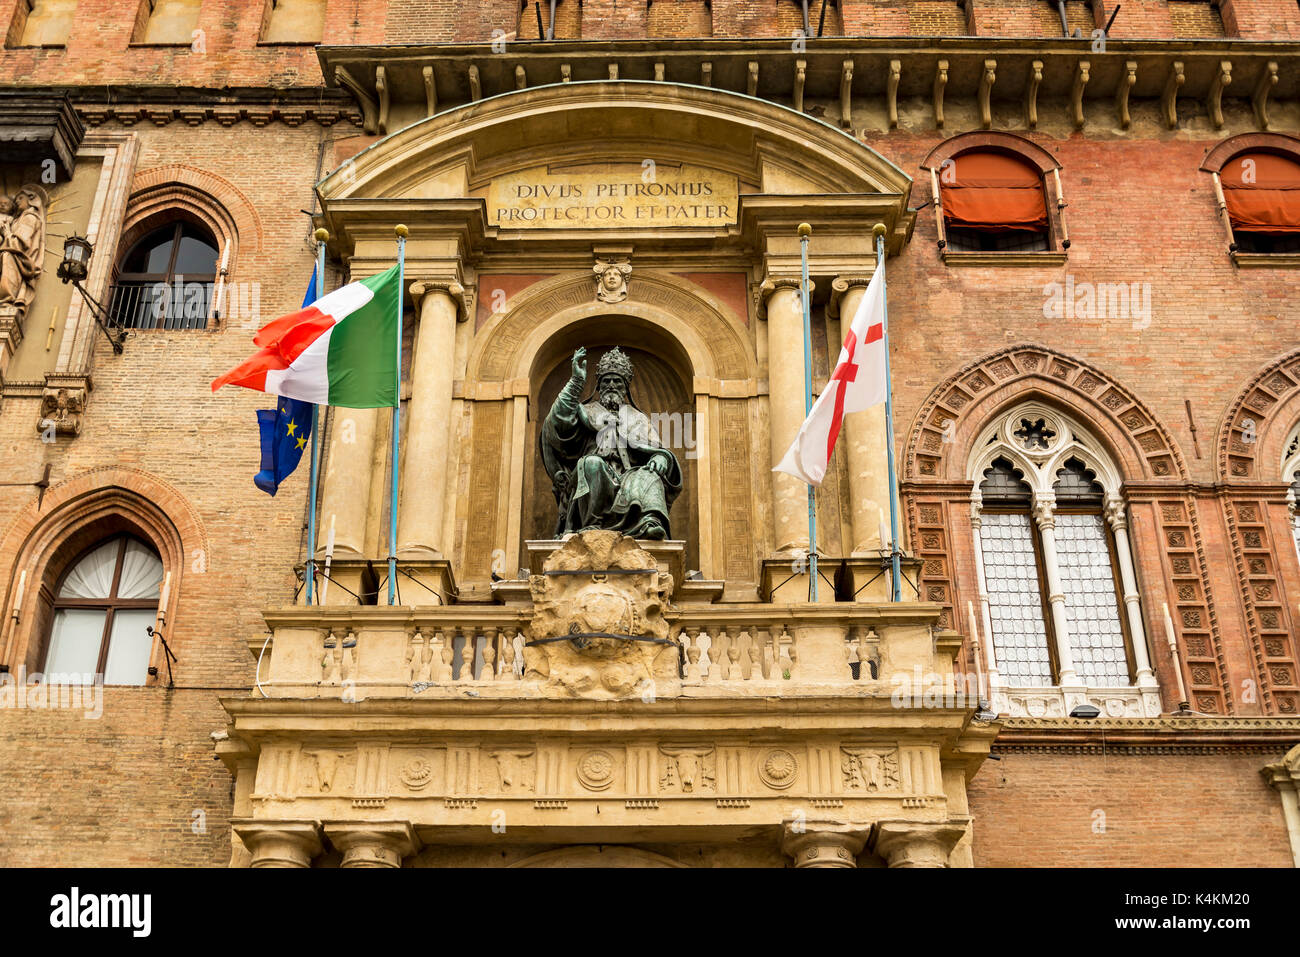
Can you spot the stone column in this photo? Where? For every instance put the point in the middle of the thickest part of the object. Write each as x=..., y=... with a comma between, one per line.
x=914, y=844
x=279, y=843
x=1132, y=602
x=1045, y=517
x=823, y=843
x=863, y=437
x=369, y=844
x=428, y=431
x=786, y=403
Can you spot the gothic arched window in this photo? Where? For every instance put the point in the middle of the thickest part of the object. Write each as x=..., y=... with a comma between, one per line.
x=165, y=279
x=103, y=603
x=1291, y=474
x=1057, y=584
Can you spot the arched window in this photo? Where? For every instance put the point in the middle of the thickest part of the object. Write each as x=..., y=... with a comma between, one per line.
x=1055, y=570
x=1262, y=193
x=1291, y=474
x=103, y=603
x=993, y=202
x=997, y=199
x=165, y=279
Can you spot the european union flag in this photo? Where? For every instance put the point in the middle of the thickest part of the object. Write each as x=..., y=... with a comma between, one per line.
x=285, y=430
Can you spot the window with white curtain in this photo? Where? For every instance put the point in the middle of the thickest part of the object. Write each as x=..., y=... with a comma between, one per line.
x=102, y=606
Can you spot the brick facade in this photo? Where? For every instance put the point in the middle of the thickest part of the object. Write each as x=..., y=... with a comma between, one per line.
x=252, y=127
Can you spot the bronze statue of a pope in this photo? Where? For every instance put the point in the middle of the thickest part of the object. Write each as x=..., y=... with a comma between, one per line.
x=607, y=466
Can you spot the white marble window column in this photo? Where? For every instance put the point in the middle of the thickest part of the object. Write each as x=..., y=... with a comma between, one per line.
x=1045, y=518
x=1115, y=515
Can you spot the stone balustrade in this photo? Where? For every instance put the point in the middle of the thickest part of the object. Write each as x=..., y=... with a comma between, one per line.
x=354, y=653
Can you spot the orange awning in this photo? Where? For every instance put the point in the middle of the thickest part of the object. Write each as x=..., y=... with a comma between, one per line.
x=993, y=191
x=1262, y=191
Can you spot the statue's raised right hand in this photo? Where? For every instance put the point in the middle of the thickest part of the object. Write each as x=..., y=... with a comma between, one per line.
x=580, y=364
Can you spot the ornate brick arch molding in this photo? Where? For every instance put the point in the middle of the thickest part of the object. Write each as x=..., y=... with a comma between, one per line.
x=953, y=415
x=75, y=514
x=1269, y=142
x=1254, y=430
x=991, y=140
x=158, y=193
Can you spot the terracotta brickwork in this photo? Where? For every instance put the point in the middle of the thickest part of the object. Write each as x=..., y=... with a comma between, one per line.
x=1166, y=393
x=1121, y=809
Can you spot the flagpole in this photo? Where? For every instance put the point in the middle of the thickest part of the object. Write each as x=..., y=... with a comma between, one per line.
x=805, y=231
x=402, y=233
x=322, y=237
x=894, y=556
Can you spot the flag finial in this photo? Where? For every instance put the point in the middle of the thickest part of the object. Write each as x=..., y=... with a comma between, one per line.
x=879, y=229
x=401, y=230
x=804, y=230
x=322, y=235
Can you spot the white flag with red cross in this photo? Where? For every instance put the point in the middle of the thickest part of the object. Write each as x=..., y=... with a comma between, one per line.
x=859, y=382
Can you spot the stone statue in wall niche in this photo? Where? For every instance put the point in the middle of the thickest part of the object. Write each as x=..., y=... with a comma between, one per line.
x=607, y=466
x=22, y=246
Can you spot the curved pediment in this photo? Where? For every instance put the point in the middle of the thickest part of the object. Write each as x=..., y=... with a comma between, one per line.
x=769, y=148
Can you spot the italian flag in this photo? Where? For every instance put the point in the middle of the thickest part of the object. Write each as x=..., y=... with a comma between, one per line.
x=341, y=350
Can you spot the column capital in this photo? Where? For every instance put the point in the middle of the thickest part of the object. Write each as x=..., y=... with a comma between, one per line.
x=373, y=843
x=279, y=843
x=1116, y=514
x=451, y=288
x=1045, y=509
x=772, y=284
x=840, y=287
x=915, y=844
x=823, y=843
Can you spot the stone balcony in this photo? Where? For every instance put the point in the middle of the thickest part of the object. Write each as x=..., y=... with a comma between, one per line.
x=601, y=711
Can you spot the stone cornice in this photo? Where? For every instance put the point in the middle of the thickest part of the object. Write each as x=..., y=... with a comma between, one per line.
x=1149, y=735
x=1032, y=70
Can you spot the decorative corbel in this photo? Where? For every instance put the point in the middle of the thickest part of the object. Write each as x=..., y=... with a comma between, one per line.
x=475, y=86
x=940, y=81
x=1126, y=81
x=891, y=91
x=800, y=75
x=706, y=73
x=566, y=72
x=430, y=91
x=381, y=87
x=987, y=79
x=1031, y=93
x=659, y=72
x=1214, y=103
x=751, y=84
x=613, y=71
x=1169, y=100
x=1259, y=99
x=369, y=108
x=63, y=401
x=521, y=78
x=1076, y=95
x=846, y=94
